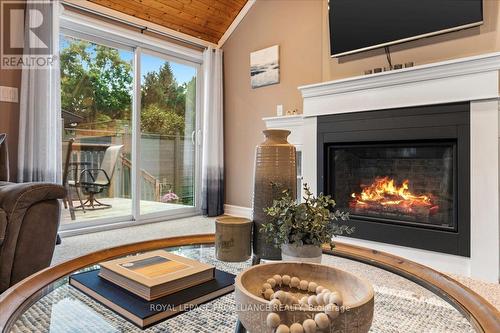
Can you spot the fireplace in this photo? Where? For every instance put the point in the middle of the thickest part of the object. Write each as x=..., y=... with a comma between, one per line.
x=403, y=174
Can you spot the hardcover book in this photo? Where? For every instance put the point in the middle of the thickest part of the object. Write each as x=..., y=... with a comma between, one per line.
x=155, y=274
x=145, y=313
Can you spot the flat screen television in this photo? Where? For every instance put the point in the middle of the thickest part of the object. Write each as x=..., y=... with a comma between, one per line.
x=359, y=25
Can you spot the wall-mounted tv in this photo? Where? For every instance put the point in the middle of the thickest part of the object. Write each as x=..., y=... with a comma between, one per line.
x=359, y=25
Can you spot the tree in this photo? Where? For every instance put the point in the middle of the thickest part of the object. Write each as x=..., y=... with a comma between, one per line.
x=156, y=120
x=95, y=81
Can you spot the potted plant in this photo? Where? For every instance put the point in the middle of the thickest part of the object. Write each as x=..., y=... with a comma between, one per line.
x=301, y=228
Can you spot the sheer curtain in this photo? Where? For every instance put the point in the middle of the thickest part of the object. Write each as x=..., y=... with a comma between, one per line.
x=40, y=115
x=213, y=134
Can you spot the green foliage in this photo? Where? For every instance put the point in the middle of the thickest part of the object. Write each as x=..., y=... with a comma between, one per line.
x=95, y=81
x=312, y=222
x=156, y=120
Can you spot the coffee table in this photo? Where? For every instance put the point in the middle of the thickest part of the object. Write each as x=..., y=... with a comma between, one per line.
x=408, y=297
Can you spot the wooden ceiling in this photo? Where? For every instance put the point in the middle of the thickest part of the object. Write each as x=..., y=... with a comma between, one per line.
x=204, y=19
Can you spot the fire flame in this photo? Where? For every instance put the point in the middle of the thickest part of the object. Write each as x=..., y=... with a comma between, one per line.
x=384, y=192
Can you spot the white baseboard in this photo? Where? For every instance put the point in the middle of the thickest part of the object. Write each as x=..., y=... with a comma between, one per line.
x=239, y=211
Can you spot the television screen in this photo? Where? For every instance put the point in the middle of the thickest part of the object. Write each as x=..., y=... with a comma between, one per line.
x=358, y=25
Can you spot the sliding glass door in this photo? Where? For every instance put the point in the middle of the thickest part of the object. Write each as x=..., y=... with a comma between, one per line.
x=130, y=149
x=168, y=127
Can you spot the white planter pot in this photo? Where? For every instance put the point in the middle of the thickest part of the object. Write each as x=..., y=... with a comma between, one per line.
x=305, y=253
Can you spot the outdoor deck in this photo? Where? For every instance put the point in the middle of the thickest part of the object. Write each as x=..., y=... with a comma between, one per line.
x=119, y=207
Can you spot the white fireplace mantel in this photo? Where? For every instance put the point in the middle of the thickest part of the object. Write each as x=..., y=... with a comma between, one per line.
x=474, y=79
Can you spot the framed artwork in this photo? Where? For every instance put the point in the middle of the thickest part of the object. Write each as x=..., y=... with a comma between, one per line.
x=265, y=67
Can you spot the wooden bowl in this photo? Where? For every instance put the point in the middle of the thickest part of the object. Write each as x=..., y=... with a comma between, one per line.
x=252, y=308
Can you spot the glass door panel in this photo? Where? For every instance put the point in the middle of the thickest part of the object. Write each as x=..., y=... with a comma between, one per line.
x=168, y=134
x=96, y=103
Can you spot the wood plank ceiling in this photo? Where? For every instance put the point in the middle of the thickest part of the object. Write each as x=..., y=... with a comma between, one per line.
x=204, y=19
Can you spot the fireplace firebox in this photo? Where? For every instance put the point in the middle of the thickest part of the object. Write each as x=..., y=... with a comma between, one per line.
x=403, y=174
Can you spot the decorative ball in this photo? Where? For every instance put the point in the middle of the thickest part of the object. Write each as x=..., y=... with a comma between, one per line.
x=277, y=278
x=268, y=294
x=294, y=282
x=296, y=328
x=326, y=290
x=335, y=298
x=319, y=299
x=272, y=282
x=325, y=297
x=304, y=284
x=303, y=300
x=266, y=286
x=282, y=329
x=319, y=289
x=309, y=326
x=285, y=279
x=281, y=295
x=275, y=304
x=312, y=301
x=332, y=311
x=322, y=320
x=273, y=320
x=312, y=286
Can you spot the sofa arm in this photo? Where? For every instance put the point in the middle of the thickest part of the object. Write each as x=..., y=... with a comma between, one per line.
x=20, y=196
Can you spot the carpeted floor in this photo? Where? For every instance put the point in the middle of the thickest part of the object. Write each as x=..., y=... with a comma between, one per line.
x=75, y=246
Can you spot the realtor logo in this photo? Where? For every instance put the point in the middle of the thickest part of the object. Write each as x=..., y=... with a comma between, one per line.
x=27, y=33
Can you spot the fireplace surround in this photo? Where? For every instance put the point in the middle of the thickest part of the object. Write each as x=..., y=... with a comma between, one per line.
x=403, y=174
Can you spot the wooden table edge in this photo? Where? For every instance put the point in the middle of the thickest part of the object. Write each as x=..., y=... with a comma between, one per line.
x=482, y=315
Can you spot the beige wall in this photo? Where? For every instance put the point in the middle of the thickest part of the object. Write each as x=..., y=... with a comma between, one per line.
x=301, y=30
x=268, y=23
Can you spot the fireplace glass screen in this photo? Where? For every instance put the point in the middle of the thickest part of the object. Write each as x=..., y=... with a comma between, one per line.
x=404, y=183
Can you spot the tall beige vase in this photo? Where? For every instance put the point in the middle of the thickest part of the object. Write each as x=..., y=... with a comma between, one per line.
x=275, y=162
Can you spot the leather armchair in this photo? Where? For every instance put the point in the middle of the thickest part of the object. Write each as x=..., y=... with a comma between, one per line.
x=29, y=219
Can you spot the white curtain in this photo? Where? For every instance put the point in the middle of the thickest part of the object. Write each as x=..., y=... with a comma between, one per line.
x=40, y=115
x=213, y=134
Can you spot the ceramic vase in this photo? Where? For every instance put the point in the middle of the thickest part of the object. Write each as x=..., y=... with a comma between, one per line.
x=304, y=253
x=275, y=163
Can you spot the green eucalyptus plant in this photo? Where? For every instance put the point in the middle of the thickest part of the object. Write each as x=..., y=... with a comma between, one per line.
x=311, y=222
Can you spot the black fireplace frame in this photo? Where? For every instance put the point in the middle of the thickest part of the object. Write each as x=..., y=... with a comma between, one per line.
x=442, y=122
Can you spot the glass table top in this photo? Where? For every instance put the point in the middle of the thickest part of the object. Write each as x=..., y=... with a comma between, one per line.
x=400, y=305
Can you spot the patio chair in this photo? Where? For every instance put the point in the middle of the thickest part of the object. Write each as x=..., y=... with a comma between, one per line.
x=93, y=181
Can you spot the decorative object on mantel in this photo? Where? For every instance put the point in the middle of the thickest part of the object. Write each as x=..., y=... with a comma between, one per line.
x=233, y=238
x=292, y=294
x=274, y=164
x=265, y=67
x=301, y=228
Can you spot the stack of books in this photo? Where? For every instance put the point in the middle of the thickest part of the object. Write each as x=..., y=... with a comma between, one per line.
x=153, y=286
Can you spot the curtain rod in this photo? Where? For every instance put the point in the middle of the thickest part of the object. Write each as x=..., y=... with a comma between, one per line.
x=135, y=25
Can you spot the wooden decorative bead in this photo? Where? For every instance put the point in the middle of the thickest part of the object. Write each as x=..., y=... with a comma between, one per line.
x=303, y=300
x=266, y=286
x=273, y=320
x=294, y=282
x=312, y=301
x=281, y=295
x=319, y=299
x=312, y=287
x=303, y=285
x=322, y=320
x=325, y=297
x=319, y=289
x=326, y=290
x=332, y=311
x=335, y=298
x=275, y=304
x=272, y=282
x=282, y=329
x=268, y=294
x=309, y=326
x=296, y=328
x=285, y=279
x=277, y=278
